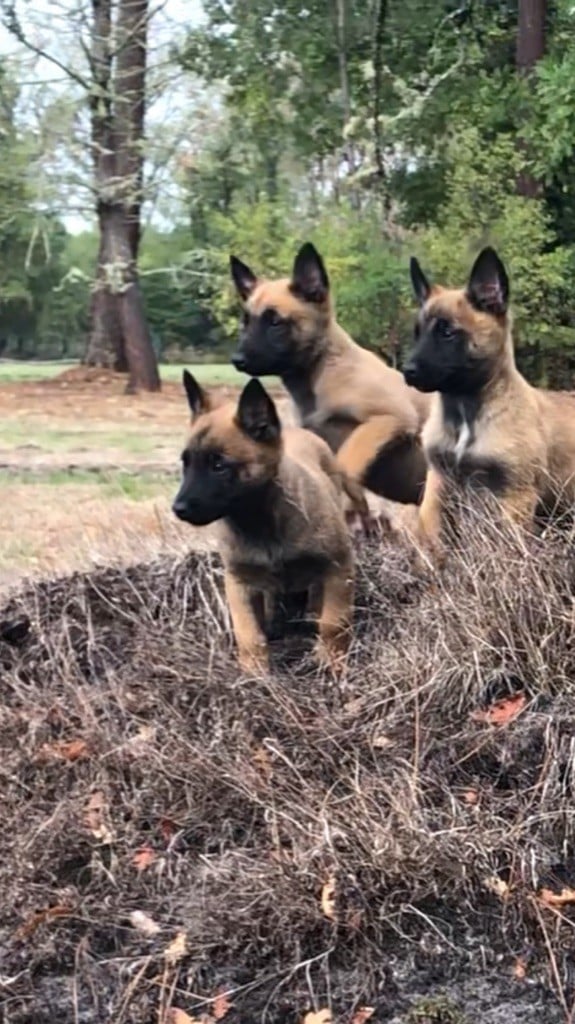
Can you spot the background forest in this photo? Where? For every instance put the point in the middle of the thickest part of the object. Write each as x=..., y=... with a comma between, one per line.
x=375, y=128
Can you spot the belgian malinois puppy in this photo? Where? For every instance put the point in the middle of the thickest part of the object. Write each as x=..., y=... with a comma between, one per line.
x=279, y=497
x=488, y=427
x=345, y=394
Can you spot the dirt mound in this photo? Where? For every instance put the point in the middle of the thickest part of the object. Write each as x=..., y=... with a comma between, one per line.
x=179, y=837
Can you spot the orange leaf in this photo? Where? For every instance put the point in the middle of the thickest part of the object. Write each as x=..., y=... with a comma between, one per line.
x=502, y=711
x=221, y=1005
x=328, y=898
x=66, y=750
x=41, y=917
x=143, y=858
x=321, y=1017
x=519, y=969
x=364, y=1013
x=557, y=899
x=176, y=1016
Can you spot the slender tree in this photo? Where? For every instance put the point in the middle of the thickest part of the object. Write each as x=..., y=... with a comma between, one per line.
x=529, y=50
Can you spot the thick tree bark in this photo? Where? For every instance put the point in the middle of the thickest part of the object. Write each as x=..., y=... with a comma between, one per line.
x=119, y=335
x=529, y=49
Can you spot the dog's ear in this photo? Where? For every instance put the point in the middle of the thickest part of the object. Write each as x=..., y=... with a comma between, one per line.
x=421, y=285
x=244, y=279
x=257, y=415
x=488, y=285
x=198, y=401
x=309, y=279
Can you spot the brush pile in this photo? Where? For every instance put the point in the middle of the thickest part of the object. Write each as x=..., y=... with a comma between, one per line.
x=181, y=843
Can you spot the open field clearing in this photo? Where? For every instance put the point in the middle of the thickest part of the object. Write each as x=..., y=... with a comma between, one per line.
x=87, y=474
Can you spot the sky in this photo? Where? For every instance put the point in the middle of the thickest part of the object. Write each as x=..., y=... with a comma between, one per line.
x=46, y=23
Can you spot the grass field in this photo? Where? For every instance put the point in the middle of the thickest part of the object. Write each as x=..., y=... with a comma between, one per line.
x=210, y=374
x=88, y=473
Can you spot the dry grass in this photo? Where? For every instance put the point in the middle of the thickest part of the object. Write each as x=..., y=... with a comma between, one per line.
x=250, y=796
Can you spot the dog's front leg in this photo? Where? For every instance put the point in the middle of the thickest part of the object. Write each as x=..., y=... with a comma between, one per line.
x=250, y=638
x=335, y=620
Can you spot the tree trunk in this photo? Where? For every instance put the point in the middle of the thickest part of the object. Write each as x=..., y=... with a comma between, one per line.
x=119, y=334
x=348, y=147
x=529, y=50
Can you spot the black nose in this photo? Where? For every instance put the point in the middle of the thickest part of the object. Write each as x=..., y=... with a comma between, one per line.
x=239, y=361
x=179, y=508
x=410, y=372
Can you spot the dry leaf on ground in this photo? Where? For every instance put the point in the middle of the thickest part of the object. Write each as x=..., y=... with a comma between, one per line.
x=144, y=923
x=41, y=917
x=556, y=899
x=262, y=761
x=65, y=750
x=95, y=817
x=143, y=858
x=497, y=885
x=321, y=1017
x=176, y=1016
x=502, y=711
x=471, y=797
x=177, y=948
x=221, y=1005
x=363, y=1014
x=519, y=969
x=328, y=898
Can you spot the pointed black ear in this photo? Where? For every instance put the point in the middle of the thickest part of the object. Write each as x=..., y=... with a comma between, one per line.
x=197, y=398
x=421, y=285
x=309, y=277
x=257, y=415
x=488, y=285
x=244, y=279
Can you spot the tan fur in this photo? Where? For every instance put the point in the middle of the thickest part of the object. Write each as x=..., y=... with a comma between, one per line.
x=380, y=412
x=529, y=431
x=305, y=544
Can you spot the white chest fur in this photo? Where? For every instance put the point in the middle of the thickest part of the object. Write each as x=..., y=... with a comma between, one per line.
x=463, y=436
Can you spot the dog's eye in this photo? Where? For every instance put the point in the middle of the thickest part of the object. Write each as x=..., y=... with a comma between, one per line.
x=274, y=318
x=218, y=464
x=445, y=329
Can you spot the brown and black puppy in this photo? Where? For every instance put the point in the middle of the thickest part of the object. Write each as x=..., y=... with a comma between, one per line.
x=279, y=497
x=488, y=427
x=345, y=394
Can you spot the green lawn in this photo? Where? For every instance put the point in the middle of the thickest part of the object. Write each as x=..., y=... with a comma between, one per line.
x=206, y=373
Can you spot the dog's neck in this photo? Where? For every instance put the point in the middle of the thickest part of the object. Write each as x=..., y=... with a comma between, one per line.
x=255, y=515
x=301, y=381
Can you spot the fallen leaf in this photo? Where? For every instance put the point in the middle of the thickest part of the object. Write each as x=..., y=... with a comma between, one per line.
x=262, y=760
x=221, y=1005
x=471, y=796
x=497, y=885
x=95, y=817
x=66, y=750
x=176, y=1016
x=502, y=711
x=168, y=828
x=143, y=858
x=557, y=899
x=362, y=1014
x=519, y=969
x=144, y=923
x=40, y=917
x=328, y=898
x=381, y=742
x=321, y=1017
x=177, y=948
